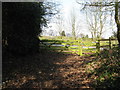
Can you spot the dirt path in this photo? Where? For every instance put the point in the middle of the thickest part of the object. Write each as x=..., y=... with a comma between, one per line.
x=73, y=72
x=47, y=70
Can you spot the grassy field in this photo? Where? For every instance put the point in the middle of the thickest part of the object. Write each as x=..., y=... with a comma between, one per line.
x=81, y=45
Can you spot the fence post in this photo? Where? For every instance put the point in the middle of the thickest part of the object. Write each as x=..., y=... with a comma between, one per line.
x=80, y=48
x=110, y=43
x=98, y=46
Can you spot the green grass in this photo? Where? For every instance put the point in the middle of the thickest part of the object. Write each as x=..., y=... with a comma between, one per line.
x=69, y=41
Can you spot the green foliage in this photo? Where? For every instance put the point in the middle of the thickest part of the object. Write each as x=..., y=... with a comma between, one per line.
x=84, y=36
x=105, y=69
x=22, y=23
x=114, y=35
x=63, y=33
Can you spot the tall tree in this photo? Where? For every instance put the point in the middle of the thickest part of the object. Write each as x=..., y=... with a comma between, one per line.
x=73, y=21
x=109, y=5
x=117, y=19
x=96, y=20
x=22, y=22
x=60, y=24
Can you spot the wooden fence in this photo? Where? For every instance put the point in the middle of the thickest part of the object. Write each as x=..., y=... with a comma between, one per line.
x=68, y=44
x=109, y=46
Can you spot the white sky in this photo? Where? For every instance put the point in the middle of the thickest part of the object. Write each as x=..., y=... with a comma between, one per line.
x=67, y=6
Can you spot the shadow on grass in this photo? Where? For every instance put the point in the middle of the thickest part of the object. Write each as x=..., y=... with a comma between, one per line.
x=53, y=44
x=53, y=41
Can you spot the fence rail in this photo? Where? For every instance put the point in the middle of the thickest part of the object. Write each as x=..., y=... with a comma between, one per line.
x=79, y=47
x=98, y=45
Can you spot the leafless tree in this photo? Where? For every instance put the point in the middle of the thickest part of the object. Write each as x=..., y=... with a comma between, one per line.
x=109, y=5
x=96, y=20
x=59, y=24
x=74, y=23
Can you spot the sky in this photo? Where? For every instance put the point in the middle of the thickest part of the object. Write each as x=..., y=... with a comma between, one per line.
x=67, y=6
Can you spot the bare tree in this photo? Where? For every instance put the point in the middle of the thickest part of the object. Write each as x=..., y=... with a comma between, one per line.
x=96, y=20
x=92, y=22
x=60, y=24
x=73, y=23
x=109, y=5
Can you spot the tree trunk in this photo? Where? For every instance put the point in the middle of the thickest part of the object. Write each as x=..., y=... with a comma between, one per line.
x=117, y=17
x=118, y=33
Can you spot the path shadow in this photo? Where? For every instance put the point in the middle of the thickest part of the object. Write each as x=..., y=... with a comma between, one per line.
x=52, y=69
x=46, y=69
x=31, y=71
